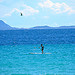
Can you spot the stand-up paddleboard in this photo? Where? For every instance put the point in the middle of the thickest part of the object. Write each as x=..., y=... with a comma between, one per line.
x=39, y=53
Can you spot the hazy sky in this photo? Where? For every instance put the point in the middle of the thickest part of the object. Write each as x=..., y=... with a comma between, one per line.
x=38, y=13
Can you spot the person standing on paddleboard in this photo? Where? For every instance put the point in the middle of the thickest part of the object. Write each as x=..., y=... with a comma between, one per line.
x=42, y=48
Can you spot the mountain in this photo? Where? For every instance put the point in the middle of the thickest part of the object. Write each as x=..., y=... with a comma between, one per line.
x=66, y=27
x=47, y=27
x=41, y=27
x=4, y=26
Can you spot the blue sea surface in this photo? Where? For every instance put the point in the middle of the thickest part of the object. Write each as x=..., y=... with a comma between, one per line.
x=15, y=46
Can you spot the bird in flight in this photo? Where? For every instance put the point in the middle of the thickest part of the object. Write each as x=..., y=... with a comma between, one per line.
x=21, y=14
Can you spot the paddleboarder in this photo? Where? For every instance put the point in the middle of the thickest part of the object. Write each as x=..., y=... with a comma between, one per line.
x=42, y=48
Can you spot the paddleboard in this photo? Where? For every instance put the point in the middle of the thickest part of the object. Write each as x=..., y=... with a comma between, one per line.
x=39, y=53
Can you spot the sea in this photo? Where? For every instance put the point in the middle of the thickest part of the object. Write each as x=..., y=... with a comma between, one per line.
x=16, y=46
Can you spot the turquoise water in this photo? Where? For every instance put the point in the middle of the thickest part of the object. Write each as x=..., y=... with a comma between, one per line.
x=15, y=46
x=16, y=60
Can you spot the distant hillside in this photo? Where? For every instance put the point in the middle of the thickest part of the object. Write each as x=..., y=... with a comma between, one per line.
x=66, y=27
x=41, y=27
x=47, y=27
x=4, y=26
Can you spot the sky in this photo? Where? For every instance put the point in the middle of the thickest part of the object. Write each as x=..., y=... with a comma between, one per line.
x=53, y=13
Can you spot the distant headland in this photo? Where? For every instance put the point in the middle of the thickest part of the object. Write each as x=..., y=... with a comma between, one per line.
x=4, y=26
